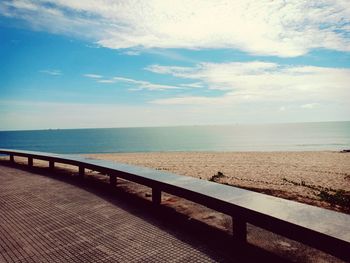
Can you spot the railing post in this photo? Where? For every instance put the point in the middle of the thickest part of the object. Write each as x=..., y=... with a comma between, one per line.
x=239, y=230
x=52, y=165
x=81, y=172
x=156, y=196
x=112, y=180
x=30, y=161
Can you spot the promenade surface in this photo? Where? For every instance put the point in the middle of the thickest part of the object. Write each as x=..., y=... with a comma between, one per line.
x=51, y=217
x=48, y=220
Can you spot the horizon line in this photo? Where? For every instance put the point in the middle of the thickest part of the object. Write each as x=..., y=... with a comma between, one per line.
x=175, y=126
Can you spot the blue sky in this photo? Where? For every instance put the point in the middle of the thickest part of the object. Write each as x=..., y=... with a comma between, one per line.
x=75, y=64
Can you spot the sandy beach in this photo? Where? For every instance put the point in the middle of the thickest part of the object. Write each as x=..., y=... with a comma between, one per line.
x=318, y=178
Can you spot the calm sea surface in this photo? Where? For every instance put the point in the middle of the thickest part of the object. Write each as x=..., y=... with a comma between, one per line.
x=271, y=137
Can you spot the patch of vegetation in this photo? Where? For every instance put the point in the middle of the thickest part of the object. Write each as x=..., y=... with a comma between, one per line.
x=162, y=168
x=330, y=195
x=339, y=197
x=310, y=186
x=216, y=177
x=302, y=183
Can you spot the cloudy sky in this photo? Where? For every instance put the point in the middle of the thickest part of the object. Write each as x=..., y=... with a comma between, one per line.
x=110, y=63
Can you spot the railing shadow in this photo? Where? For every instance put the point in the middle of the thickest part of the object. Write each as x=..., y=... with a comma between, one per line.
x=219, y=244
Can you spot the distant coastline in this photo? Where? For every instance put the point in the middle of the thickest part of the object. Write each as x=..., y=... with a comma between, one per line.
x=175, y=126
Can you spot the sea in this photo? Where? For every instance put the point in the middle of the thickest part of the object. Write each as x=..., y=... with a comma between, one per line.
x=315, y=136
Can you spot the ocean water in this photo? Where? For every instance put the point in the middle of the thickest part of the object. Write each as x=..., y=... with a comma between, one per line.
x=268, y=137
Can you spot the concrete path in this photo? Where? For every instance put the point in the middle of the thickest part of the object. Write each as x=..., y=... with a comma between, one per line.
x=48, y=220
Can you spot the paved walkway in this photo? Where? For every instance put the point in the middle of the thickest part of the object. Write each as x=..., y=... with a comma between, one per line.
x=48, y=220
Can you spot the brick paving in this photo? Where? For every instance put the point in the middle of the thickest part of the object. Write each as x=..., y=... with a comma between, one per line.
x=43, y=219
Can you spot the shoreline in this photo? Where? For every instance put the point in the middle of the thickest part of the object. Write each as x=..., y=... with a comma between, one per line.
x=320, y=178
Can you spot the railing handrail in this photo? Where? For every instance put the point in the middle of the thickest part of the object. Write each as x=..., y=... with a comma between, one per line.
x=321, y=228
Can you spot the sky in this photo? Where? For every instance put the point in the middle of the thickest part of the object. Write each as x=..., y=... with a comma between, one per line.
x=110, y=63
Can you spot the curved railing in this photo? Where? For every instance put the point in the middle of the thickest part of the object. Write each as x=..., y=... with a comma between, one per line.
x=323, y=229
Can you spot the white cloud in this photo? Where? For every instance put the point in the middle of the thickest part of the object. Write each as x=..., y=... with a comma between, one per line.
x=93, y=76
x=132, y=53
x=26, y=5
x=261, y=82
x=93, y=46
x=106, y=81
x=264, y=27
x=192, y=85
x=134, y=85
x=53, y=72
x=190, y=100
x=282, y=108
x=310, y=105
x=141, y=84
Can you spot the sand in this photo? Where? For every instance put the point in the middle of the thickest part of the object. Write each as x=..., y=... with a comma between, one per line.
x=299, y=176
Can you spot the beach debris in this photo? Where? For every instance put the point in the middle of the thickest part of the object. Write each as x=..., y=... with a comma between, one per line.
x=345, y=151
x=216, y=177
